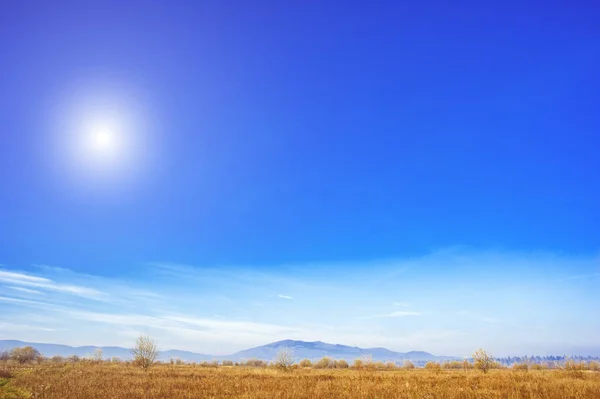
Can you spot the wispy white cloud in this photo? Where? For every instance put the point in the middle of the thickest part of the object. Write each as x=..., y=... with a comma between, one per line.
x=27, y=280
x=25, y=290
x=284, y=296
x=25, y=302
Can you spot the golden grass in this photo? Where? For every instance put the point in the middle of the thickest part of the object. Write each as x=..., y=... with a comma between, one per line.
x=123, y=381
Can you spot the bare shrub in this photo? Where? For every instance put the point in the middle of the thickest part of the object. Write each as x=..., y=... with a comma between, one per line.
x=594, y=366
x=97, y=355
x=341, y=364
x=324, y=363
x=357, y=364
x=575, y=369
x=379, y=365
x=305, y=363
x=227, y=363
x=367, y=361
x=27, y=354
x=284, y=359
x=144, y=352
x=408, y=365
x=256, y=363
x=453, y=365
x=483, y=361
x=433, y=366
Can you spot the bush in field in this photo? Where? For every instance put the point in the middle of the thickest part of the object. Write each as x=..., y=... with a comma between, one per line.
x=483, y=361
x=536, y=366
x=97, y=355
x=4, y=356
x=433, y=366
x=144, y=352
x=305, y=363
x=379, y=365
x=390, y=365
x=227, y=363
x=324, y=363
x=367, y=361
x=594, y=366
x=574, y=368
x=408, y=365
x=24, y=355
x=357, y=364
x=57, y=359
x=453, y=365
x=256, y=363
x=520, y=366
x=284, y=359
x=341, y=364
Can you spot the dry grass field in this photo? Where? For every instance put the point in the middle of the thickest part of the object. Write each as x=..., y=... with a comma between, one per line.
x=123, y=381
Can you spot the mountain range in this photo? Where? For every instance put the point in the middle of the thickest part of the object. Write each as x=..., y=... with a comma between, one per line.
x=301, y=350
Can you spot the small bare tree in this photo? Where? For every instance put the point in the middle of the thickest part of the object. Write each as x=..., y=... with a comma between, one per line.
x=284, y=359
x=25, y=355
x=97, y=355
x=145, y=352
x=408, y=365
x=483, y=360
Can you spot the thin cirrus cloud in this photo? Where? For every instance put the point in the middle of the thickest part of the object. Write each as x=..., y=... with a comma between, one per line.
x=25, y=290
x=42, y=283
x=284, y=296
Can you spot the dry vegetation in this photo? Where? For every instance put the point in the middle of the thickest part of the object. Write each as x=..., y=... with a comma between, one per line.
x=126, y=381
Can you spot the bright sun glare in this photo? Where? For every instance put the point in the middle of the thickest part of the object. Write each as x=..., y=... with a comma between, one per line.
x=101, y=138
x=104, y=140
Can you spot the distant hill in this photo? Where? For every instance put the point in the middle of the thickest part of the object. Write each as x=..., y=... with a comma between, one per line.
x=316, y=350
x=301, y=349
x=50, y=350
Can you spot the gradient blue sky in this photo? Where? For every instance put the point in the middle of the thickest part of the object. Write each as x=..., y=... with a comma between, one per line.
x=419, y=177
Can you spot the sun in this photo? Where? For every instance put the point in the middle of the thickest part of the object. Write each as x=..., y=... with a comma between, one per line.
x=103, y=141
x=102, y=137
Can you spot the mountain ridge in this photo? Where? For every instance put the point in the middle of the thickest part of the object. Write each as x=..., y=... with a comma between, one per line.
x=301, y=349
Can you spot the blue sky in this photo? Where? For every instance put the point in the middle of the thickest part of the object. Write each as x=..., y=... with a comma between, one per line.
x=410, y=176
